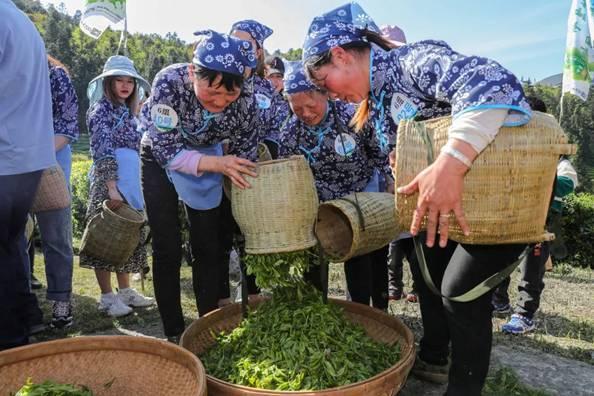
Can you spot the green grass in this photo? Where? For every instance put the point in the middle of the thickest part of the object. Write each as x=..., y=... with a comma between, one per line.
x=88, y=320
x=565, y=320
x=81, y=146
x=504, y=382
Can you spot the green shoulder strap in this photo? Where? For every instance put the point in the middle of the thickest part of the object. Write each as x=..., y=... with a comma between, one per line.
x=477, y=291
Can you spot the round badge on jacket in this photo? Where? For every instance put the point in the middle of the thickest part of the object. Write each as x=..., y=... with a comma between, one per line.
x=344, y=144
x=263, y=101
x=164, y=117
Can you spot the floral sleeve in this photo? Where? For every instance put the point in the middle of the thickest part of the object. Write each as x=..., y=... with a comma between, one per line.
x=166, y=139
x=64, y=104
x=100, y=123
x=465, y=82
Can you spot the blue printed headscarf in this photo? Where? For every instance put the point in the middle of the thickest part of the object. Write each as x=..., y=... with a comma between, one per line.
x=258, y=31
x=340, y=26
x=295, y=79
x=224, y=53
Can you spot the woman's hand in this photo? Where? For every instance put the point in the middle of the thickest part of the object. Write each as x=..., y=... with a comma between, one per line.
x=440, y=188
x=115, y=198
x=60, y=141
x=231, y=166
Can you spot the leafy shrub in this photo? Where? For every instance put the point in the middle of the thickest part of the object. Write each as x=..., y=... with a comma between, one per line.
x=80, y=194
x=578, y=230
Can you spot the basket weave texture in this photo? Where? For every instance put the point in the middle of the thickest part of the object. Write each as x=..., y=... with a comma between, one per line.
x=356, y=224
x=508, y=189
x=134, y=366
x=278, y=213
x=52, y=192
x=199, y=337
x=112, y=236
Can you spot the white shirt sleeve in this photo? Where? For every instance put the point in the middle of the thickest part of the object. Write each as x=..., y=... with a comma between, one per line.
x=564, y=168
x=478, y=127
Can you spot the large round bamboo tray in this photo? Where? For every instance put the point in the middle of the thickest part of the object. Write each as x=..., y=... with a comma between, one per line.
x=356, y=224
x=112, y=235
x=278, y=213
x=52, y=192
x=380, y=326
x=108, y=365
x=508, y=189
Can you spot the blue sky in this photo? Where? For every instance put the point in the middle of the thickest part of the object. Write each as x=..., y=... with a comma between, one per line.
x=526, y=36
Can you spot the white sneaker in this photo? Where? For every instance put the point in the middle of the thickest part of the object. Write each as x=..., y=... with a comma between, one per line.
x=132, y=298
x=113, y=306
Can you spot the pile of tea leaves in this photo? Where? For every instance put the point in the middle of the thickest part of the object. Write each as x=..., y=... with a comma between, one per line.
x=51, y=388
x=288, y=344
x=279, y=270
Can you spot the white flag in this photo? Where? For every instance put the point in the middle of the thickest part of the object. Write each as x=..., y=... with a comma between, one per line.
x=578, y=67
x=98, y=15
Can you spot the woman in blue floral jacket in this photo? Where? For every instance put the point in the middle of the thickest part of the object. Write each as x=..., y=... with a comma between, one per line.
x=345, y=54
x=342, y=162
x=115, y=174
x=193, y=109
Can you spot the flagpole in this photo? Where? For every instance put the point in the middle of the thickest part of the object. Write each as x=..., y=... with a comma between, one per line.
x=561, y=109
x=124, y=34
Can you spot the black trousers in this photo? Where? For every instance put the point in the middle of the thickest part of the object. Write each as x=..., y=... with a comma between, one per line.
x=205, y=240
x=398, y=251
x=455, y=269
x=231, y=236
x=367, y=278
x=531, y=282
x=16, y=300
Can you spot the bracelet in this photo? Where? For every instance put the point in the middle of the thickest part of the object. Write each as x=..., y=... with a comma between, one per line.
x=452, y=152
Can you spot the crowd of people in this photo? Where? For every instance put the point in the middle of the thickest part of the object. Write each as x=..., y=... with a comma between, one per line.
x=175, y=140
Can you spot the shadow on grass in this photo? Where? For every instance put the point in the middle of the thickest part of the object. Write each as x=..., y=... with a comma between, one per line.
x=560, y=326
x=571, y=278
x=89, y=320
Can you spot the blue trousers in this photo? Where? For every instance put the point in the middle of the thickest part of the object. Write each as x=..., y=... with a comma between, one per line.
x=16, y=299
x=55, y=229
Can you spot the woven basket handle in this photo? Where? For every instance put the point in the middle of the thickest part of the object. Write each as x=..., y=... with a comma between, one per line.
x=428, y=142
x=358, y=209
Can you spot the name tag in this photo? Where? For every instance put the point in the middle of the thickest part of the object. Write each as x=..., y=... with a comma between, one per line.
x=164, y=117
x=344, y=144
x=402, y=108
x=262, y=101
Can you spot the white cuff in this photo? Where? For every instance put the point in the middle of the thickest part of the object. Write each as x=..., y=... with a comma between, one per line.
x=478, y=127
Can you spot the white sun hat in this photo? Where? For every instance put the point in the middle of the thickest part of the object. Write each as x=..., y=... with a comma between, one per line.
x=116, y=65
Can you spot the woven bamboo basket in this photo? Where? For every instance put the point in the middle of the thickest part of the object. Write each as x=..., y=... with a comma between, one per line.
x=113, y=235
x=52, y=192
x=199, y=337
x=278, y=213
x=108, y=365
x=508, y=189
x=356, y=224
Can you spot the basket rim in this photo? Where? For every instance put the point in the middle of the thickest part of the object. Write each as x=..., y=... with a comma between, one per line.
x=329, y=205
x=106, y=209
x=404, y=360
x=145, y=345
x=280, y=160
